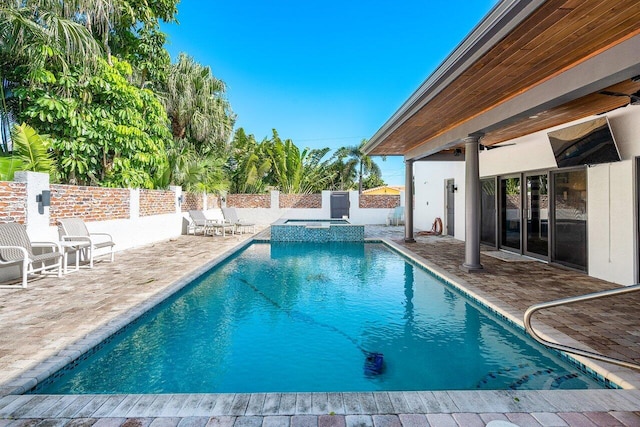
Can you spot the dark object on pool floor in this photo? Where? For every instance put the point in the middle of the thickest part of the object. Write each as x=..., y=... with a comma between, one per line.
x=373, y=363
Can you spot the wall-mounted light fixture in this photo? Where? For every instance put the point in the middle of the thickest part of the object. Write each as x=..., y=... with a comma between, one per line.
x=45, y=198
x=180, y=199
x=457, y=152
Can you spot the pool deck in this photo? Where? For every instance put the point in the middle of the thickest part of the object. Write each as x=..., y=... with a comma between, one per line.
x=56, y=319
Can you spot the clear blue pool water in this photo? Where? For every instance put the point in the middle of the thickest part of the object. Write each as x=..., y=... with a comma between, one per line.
x=299, y=316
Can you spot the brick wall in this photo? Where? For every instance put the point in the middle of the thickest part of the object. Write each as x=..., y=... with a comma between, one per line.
x=191, y=201
x=13, y=200
x=301, y=201
x=379, y=201
x=249, y=200
x=157, y=202
x=88, y=203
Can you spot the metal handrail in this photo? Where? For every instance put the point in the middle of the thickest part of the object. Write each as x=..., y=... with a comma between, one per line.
x=570, y=300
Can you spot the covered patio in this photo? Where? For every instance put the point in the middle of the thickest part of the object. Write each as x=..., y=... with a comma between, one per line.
x=528, y=66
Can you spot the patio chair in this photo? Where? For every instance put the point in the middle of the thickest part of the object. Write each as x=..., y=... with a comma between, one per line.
x=208, y=226
x=17, y=248
x=231, y=215
x=396, y=215
x=75, y=230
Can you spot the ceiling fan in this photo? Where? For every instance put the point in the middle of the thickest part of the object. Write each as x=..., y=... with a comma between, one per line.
x=491, y=147
x=634, y=98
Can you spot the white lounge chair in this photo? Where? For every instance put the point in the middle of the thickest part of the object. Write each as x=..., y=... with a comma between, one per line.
x=396, y=216
x=75, y=230
x=17, y=248
x=199, y=222
x=231, y=215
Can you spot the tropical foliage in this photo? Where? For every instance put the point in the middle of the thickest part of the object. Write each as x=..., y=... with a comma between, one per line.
x=358, y=162
x=102, y=104
x=103, y=130
x=276, y=164
x=30, y=153
x=201, y=122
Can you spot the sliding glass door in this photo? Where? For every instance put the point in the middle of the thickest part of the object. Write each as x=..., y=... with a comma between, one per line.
x=569, y=244
x=536, y=216
x=510, y=213
x=488, y=211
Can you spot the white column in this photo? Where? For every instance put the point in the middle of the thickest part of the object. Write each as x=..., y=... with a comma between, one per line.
x=177, y=197
x=472, y=205
x=37, y=213
x=408, y=202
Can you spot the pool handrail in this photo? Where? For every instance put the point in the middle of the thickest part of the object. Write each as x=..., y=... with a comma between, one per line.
x=564, y=301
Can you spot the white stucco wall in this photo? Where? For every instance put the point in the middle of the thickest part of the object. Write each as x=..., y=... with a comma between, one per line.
x=429, y=178
x=528, y=153
x=610, y=208
x=268, y=216
x=611, y=205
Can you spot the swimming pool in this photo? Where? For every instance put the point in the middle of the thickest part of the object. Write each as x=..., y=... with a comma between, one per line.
x=298, y=317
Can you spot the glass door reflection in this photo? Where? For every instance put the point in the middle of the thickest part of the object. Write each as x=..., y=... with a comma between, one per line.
x=537, y=216
x=488, y=211
x=570, y=218
x=510, y=213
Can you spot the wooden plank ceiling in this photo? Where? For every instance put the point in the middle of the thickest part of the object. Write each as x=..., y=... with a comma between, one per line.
x=559, y=35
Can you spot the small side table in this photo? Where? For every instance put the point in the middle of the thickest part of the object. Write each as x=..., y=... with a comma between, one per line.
x=68, y=247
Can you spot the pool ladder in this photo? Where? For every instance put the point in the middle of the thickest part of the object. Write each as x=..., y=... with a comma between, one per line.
x=564, y=301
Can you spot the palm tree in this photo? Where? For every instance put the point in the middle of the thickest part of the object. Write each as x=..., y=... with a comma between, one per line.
x=360, y=161
x=298, y=172
x=194, y=100
x=249, y=164
x=34, y=34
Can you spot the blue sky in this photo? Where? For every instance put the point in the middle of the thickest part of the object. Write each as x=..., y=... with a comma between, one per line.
x=323, y=73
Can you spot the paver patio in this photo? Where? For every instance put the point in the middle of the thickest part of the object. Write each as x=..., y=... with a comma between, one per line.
x=54, y=314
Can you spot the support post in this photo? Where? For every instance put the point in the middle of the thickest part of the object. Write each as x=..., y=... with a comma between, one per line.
x=408, y=204
x=472, y=205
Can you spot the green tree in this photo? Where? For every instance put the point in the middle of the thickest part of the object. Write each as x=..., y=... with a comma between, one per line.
x=294, y=171
x=34, y=36
x=365, y=164
x=140, y=42
x=104, y=130
x=197, y=109
x=372, y=181
x=249, y=164
x=201, y=122
x=344, y=171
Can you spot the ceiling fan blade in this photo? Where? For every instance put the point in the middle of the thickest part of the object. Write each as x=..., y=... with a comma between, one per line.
x=609, y=93
x=491, y=147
